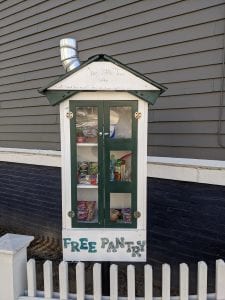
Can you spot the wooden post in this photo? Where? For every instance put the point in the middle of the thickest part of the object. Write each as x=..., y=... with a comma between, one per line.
x=13, y=265
x=220, y=279
x=166, y=274
x=131, y=282
x=202, y=280
x=148, y=282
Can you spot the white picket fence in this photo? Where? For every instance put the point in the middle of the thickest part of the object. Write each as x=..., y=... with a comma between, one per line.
x=18, y=278
x=48, y=293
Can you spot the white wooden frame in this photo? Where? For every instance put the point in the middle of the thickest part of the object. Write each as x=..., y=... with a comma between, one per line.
x=140, y=231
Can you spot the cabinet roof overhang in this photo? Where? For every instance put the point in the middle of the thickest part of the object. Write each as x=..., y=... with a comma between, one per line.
x=102, y=73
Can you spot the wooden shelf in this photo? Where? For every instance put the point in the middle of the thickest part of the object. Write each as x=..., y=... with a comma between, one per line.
x=87, y=144
x=87, y=186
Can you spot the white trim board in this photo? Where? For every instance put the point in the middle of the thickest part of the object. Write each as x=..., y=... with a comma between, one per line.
x=181, y=169
x=186, y=169
x=30, y=156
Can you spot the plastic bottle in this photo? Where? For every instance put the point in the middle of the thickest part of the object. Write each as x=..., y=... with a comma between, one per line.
x=112, y=167
x=117, y=172
x=123, y=170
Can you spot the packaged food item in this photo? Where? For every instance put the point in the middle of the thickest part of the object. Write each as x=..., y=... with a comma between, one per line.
x=112, y=167
x=120, y=215
x=115, y=214
x=126, y=213
x=88, y=172
x=117, y=172
x=86, y=211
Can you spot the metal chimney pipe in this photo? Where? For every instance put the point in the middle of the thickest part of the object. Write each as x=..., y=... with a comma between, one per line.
x=69, y=55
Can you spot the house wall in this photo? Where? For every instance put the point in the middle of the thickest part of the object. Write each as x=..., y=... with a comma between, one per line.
x=185, y=219
x=177, y=43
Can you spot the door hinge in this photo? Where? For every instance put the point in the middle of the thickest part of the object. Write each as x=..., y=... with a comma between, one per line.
x=69, y=115
x=137, y=115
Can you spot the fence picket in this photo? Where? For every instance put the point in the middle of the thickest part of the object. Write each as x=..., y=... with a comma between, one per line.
x=148, y=282
x=80, y=281
x=113, y=282
x=202, y=280
x=130, y=282
x=31, y=278
x=166, y=282
x=220, y=279
x=63, y=280
x=184, y=282
x=63, y=294
x=48, y=280
x=97, y=281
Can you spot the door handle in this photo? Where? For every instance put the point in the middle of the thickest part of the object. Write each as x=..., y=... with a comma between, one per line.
x=106, y=133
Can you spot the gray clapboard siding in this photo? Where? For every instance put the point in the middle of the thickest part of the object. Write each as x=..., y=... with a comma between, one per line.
x=159, y=40
x=187, y=152
x=186, y=114
x=28, y=77
x=195, y=73
x=12, y=6
x=30, y=120
x=31, y=84
x=30, y=144
x=187, y=140
x=178, y=43
x=125, y=46
x=30, y=15
x=31, y=128
x=18, y=95
x=51, y=137
x=49, y=65
x=180, y=62
x=203, y=44
x=187, y=101
x=54, y=30
x=152, y=28
x=37, y=35
x=41, y=101
x=195, y=127
x=194, y=87
x=29, y=111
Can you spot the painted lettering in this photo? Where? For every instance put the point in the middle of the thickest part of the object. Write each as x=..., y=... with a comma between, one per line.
x=129, y=244
x=75, y=246
x=66, y=242
x=134, y=248
x=81, y=244
x=135, y=251
x=111, y=247
x=141, y=244
x=120, y=242
x=84, y=244
x=105, y=241
x=92, y=247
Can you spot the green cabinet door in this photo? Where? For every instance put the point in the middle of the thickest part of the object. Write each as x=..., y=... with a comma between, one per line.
x=103, y=163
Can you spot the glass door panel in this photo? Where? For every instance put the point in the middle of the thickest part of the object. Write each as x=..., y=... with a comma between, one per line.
x=120, y=208
x=121, y=163
x=103, y=163
x=121, y=122
x=86, y=124
x=87, y=206
x=120, y=166
x=87, y=164
x=85, y=153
